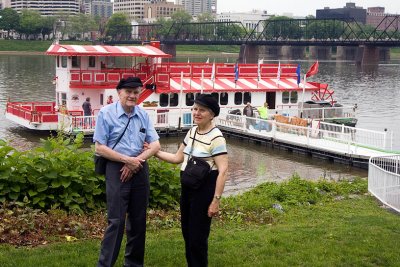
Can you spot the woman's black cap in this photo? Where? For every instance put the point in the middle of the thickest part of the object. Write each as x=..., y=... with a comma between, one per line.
x=208, y=101
x=130, y=82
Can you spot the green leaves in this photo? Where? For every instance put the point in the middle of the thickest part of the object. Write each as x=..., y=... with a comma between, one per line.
x=60, y=173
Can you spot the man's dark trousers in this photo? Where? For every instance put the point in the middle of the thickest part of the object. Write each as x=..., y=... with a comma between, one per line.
x=131, y=199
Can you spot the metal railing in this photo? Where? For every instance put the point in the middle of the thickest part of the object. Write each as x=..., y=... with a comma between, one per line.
x=384, y=180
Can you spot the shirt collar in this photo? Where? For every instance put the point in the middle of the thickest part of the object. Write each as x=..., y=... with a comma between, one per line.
x=121, y=111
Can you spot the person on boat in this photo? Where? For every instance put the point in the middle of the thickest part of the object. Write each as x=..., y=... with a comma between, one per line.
x=87, y=112
x=198, y=206
x=263, y=113
x=110, y=99
x=127, y=172
x=248, y=111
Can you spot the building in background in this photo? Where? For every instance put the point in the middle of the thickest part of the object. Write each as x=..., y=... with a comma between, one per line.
x=133, y=8
x=197, y=7
x=347, y=12
x=248, y=19
x=160, y=9
x=376, y=17
x=5, y=3
x=47, y=7
x=101, y=8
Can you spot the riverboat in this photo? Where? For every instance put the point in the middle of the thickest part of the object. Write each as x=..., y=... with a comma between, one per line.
x=169, y=90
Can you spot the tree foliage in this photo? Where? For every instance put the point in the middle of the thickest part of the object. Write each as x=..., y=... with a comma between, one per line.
x=30, y=23
x=118, y=26
x=9, y=20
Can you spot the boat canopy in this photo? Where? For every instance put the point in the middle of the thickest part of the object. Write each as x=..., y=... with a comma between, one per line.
x=105, y=50
x=242, y=84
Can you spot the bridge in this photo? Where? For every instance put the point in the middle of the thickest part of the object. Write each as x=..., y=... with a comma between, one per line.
x=277, y=38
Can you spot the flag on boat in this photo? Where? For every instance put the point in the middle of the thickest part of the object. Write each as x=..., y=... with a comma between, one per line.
x=208, y=60
x=313, y=70
x=298, y=74
x=213, y=72
x=278, y=74
x=260, y=61
x=188, y=60
x=236, y=72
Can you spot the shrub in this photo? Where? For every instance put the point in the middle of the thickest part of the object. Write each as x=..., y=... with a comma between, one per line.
x=60, y=174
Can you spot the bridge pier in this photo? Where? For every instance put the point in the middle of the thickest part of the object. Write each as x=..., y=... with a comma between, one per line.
x=368, y=55
x=169, y=49
x=293, y=52
x=320, y=52
x=346, y=52
x=271, y=52
x=249, y=53
x=384, y=53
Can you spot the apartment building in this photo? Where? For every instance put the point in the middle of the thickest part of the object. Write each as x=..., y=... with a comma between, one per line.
x=133, y=8
x=160, y=9
x=197, y=7
x=47, y=7
x=101, y=8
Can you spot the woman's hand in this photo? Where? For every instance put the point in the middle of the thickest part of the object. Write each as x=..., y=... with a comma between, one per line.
x=213, y=209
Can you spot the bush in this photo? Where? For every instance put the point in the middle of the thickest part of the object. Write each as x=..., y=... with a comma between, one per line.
x=60, y=174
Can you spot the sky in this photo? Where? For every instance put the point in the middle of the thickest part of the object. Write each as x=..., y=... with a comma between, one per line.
x=300, y=8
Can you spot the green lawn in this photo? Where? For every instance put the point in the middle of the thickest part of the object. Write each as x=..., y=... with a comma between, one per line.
x=350, y=232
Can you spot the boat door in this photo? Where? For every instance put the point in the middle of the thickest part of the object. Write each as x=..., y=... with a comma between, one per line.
x=270, y=98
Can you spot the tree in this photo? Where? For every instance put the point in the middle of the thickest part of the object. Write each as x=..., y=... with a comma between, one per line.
x=81, y=24
x=9, y=20
x=30, y=23
x=205, y=17
x=181, y=16
x=118, y=26
x=47, y=26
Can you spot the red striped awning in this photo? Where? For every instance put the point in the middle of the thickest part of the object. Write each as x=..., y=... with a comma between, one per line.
x=248, y=84
x=105, y=50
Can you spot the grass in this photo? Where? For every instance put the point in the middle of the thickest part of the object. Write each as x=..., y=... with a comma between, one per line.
x=322, y=224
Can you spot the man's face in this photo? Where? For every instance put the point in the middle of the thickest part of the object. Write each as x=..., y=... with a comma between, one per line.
x=129, y=96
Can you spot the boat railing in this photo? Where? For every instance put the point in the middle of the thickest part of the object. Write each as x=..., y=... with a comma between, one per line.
x=321, y=113
x=352, y=137
x=76, y=124
x=34, y=112
x=384, y=180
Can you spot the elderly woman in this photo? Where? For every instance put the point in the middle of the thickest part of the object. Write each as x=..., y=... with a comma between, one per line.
x=199, y=204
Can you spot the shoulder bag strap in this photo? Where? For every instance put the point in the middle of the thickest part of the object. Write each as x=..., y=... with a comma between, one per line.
x=119, y=138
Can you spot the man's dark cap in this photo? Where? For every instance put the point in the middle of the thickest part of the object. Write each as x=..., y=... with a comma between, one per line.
x=208, y=101
x=130, y=82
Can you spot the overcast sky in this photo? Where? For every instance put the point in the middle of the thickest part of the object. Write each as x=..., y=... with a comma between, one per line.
x=301, y=8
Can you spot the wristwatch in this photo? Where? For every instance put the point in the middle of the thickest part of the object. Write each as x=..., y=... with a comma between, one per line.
x=217, y=197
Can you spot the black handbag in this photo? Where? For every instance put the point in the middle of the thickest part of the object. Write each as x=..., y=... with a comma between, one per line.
x=100, y=162
x=196, y=171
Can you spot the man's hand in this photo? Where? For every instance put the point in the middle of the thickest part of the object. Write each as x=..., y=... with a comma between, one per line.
x=126, y=173
x=134, y=164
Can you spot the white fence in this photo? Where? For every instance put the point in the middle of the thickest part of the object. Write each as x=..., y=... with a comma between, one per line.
x=384, y=180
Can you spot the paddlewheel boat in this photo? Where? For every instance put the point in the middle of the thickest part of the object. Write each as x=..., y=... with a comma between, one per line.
x=169, y=88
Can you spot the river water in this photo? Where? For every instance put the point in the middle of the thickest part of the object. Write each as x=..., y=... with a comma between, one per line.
x=376, y=90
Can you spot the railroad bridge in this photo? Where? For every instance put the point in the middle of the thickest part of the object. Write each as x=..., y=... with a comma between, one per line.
x=276, y=39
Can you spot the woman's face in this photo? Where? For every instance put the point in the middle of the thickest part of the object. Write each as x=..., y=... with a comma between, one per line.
x=201, y=114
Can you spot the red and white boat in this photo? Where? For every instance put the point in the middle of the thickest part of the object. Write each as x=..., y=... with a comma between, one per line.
x=169, y=88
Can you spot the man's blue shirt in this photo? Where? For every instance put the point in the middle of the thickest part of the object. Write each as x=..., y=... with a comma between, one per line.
x=111, y=122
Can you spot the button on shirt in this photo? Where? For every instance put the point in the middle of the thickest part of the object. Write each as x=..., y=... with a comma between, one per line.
x=111, y=122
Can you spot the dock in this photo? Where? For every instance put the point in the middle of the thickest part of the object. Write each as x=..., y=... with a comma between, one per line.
x=338, y=143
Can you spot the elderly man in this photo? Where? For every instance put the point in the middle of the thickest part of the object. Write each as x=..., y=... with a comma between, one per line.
x=127, y=176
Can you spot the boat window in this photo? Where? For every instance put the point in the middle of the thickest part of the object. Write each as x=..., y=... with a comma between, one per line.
x=63, y=99
x=173, y=100
x=246, y=98
x=223, y=99
x=164, y=100
x=64, y=62
x=92, y=62
x=58, y=61
x=189, y=99
x=76, y=62
x=216, y=96
x=101, y=99
x=285, y=97
x=238, y=98
x=293, y=97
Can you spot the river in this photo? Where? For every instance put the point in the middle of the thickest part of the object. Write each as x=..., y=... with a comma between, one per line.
x=376, y=90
